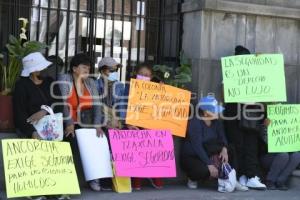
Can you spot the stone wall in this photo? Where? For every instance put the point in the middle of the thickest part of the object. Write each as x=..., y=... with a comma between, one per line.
x=212, y=28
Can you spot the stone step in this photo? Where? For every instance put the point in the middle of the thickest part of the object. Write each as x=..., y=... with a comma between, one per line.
x=296, y=173
x=295, y=179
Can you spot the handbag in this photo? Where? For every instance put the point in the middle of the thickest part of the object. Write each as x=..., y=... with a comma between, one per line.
x=227, y=179
x=50, y=127
x=121, y=184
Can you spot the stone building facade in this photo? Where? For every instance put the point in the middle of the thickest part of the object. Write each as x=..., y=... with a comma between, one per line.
x=212, y=29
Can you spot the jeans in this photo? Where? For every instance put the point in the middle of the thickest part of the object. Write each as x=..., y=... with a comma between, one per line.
x=280, y=165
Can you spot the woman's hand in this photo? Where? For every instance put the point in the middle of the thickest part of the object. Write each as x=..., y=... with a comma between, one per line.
x=213, y=171
x=100, y=132
x=267, y=122
x=36, y=116
x=224, y=155
x=114, y=124
x=70, y=130
x=132, y=127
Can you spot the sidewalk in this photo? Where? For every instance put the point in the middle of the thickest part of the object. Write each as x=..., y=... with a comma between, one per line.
x=183, y=193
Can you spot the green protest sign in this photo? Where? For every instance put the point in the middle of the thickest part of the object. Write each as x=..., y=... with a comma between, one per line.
x=254, y=78
x=284, y=129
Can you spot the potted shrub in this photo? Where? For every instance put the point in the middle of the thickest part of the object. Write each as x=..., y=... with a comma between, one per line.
x=10, y=71
x=180, y=76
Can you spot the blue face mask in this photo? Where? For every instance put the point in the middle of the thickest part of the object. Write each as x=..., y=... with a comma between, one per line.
x=113, y=76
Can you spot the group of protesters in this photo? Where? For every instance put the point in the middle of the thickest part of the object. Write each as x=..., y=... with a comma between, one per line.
x=210, y=141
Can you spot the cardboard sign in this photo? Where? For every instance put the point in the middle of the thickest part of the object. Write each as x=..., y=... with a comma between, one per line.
x=94, y=153
x=284, y=129
x=158, y=106
x=143, y=153
x=34, y=167
x=254, y=78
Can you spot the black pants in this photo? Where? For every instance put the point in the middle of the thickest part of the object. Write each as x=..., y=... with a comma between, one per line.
x=194, y=168
x=197, y=170
x=246, y=143
x=76, y=157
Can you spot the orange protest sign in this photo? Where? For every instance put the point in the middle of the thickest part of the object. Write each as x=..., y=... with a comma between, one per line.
x=158, y=106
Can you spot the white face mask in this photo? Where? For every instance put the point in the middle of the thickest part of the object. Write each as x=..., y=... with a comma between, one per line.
x=113, y=76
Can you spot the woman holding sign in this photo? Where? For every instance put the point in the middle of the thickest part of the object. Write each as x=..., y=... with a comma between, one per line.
x=205, y=148
x=32, y=94
x=279, y=166
x=82, y=103
x=144, y=72
x=240, y=122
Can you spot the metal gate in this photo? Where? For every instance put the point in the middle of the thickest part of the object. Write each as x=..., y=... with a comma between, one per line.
x=131, y=31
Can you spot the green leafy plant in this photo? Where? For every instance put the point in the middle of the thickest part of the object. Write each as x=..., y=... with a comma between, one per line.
x=179, y=76
x=17, y=48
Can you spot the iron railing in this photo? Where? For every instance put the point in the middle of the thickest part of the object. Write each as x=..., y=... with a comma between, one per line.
x=131, y=31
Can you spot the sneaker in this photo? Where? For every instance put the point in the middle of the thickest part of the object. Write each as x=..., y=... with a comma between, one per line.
x=255, y=183
x=243, y=180
x=281, y=186
x=136, y=183
x=192, y=184
x=240, y=187
x=94, y=185
x=270, y=185
x=157, y=183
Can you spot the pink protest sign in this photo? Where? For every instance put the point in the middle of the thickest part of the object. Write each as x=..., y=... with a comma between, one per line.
x=143, y=153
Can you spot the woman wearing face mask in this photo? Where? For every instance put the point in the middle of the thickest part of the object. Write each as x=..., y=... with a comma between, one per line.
x=110, y=90
x=143, y=72
x=79, y=93
x=205, y=147
x=31, y=92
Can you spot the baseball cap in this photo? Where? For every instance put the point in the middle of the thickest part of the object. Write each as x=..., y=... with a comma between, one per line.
x=209, y=103
x=109, y=62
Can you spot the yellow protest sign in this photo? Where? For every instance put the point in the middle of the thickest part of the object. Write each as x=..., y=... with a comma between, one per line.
x=158, y=106
x=35, y=167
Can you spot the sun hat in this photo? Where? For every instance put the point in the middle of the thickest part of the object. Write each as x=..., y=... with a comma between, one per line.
x=34, y=62
x=209, y=103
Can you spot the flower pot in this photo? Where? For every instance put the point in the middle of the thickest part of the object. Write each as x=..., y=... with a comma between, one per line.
x=6, y=114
